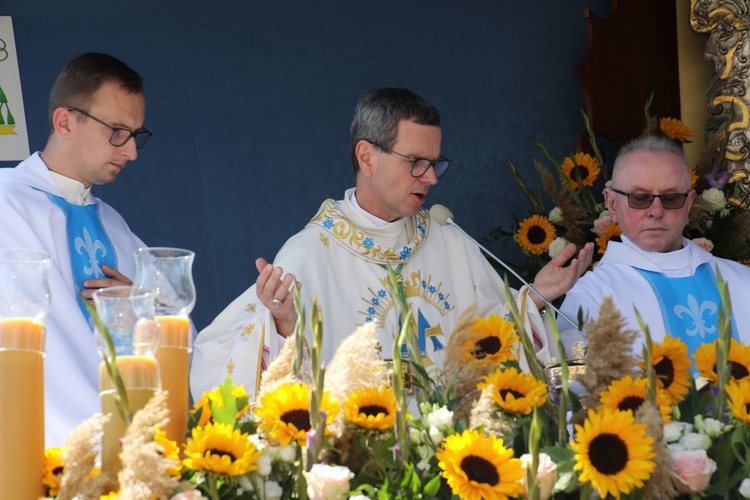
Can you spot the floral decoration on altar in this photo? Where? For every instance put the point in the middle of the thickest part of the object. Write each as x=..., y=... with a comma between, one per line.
x=484, y=429
x=717, y=222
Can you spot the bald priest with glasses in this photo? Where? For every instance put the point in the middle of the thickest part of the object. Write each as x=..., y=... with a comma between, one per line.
x=342, y=255
x=666, y=277
x=96, y=112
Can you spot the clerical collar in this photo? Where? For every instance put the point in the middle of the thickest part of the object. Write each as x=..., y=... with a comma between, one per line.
x=71, y=189
x=377, y=221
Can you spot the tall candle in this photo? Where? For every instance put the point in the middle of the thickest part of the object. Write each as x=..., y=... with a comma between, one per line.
x=173, y=354
x=140, y=376
x=22, y=408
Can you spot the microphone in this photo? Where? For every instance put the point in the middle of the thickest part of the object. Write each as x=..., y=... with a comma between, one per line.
x=443, y=216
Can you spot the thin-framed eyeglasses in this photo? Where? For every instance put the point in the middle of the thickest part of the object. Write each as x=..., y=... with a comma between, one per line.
x=670, y=201
x=419, y=166
x=119, y=135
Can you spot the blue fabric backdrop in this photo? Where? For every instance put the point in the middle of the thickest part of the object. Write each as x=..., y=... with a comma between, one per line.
x=250, y=104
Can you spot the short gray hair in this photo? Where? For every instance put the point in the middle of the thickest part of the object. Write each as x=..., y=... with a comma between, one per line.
x=651, y=144
x=379, y=112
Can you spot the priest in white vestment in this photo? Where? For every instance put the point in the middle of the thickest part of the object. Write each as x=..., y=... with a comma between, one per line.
x=667, y=278
x=46, y=205
x=342, y=255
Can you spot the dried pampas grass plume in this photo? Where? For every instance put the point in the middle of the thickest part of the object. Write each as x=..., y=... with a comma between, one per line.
x=610, y=350
x=281, y=369
x=464, y=376
x=356, y=365
x=660, y=484
x=485, y=413
x=79, y=454
x=144, y=468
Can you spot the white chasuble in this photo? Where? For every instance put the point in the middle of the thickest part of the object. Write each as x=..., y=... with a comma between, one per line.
x=340, y=257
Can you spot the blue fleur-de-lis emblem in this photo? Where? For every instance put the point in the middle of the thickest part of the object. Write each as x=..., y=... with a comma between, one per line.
x=92, y=248
x=695, y=312
x=405, y=253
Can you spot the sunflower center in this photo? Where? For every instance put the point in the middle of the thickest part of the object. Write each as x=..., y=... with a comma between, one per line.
x=747, y=408
x=486, y=346
x=739, y=371
x=505, y=392
x=298, y=418
x=57, y=470
x=579, y=170
x=665, y=371
x=608, y=453
x=480, y=470
x=221, y=453
x=373, y=410
x=536, y=235
x=630, y=403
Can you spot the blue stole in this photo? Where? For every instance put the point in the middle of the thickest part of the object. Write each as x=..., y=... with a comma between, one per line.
x=88, y=244
x=689, y=306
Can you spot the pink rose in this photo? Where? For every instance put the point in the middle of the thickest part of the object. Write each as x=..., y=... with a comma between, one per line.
x=326, y=482
x=546, y=475
x=188, y=495
x=704, y=243
x=602, y=223
x=693, y=470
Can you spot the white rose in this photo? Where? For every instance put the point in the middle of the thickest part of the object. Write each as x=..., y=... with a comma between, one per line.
x=709, y=426
x=442, y=418
x=675, y=448
x=286, y=453
x=715, y=199
x=359, y=497
x=435, y=435
x=555, y=216
x=557, y=246
x=264, y=464
x=326, y=482
x=745, y=488
x=672, y=432
x=273, y=490
x=695, y=441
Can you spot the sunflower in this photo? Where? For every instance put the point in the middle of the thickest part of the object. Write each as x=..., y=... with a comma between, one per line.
x=170, y=450
x=739, y=361
x=515, y=391
x=285, y=412
x=628, y=393
x=372, y=408
x=693, y=178
x=491, y=341
x=583, y=165
x=613, y=452
x=478, y=466
x=217, y=398
x=738, y=393
x=535, y=234
x=675, y=129
x=112, y=495
x=612, y=233
x=672, y=367
x=221, y=449
x=53, y=467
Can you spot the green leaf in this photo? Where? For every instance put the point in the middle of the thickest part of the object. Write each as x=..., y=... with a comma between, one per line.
x=226, y=414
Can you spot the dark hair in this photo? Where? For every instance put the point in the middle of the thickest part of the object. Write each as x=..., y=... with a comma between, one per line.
x=84, y=75
x=379, y=112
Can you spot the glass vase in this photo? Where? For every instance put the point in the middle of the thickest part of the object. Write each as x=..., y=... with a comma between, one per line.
x=167, y=273
x=24, y=302
x=131, y=342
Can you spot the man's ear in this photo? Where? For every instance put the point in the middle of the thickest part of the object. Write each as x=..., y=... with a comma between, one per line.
x=609, y=202
x=62, y=122
x=365, y=154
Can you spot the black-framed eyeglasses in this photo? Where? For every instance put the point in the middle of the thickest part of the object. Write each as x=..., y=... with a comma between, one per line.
x=419, y=166
x=119, y=135
x=670, y=201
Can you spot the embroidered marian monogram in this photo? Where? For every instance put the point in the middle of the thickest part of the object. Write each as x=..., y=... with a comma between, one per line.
x=91, y=248
x=695, y=312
